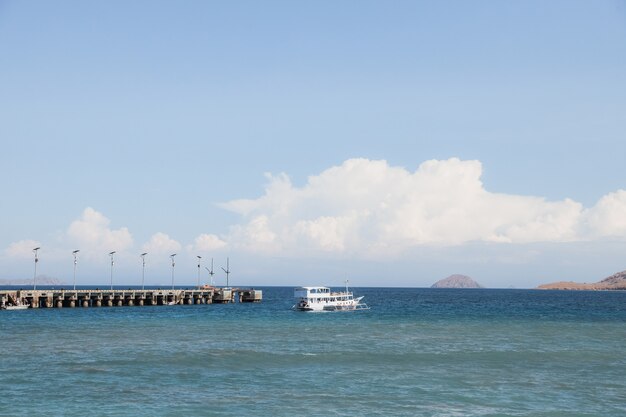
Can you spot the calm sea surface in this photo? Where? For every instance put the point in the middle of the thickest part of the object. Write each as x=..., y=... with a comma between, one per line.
x=417, y=352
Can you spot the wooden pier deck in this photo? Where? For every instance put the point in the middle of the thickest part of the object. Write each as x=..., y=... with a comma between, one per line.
x=117, y=297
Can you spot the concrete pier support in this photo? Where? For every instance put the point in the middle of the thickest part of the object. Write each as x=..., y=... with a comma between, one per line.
x=223, y=296
x=131, y=303
x=252, y=296
x=72, y=304
x=59, y=303
x=98, y=303
x=85, y=303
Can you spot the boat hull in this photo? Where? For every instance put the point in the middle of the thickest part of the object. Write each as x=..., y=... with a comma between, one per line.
x=351, y=305
x=21, y=307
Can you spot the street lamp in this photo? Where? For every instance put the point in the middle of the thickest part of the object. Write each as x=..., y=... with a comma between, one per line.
x=111, y=255
x=75, y=262
x=211, y=273
x=227, y=270
x=173, y=263
x=143, y=270
x=36, y=260
x=199, y=258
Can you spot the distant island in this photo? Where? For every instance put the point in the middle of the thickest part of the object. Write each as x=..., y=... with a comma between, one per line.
x=614, y=282
x=456, y=281
x=41, y=280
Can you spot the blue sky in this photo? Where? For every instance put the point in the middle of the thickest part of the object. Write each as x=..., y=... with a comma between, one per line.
x=394, y=143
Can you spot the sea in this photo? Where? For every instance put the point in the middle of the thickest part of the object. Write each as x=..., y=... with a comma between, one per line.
x=415, y=352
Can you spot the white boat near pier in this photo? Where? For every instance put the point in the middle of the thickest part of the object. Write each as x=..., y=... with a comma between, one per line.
x=16, y=306
x=323, y=299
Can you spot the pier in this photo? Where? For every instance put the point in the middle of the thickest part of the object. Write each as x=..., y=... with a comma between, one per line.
x=127, y=298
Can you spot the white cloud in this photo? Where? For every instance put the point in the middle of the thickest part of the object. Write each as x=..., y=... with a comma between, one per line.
x=327, y=232
x=92, y=232
x=608, y=217
x=161, y=243
x=365, y=207
x=207, y=242
x=255, y=236
x=22, y=249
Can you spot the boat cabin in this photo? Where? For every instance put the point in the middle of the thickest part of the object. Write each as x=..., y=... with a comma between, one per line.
x=311, y=292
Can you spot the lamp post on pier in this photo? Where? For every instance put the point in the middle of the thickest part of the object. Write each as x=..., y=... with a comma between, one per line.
x=75, y=262
x=35, y=276
x=227, y=270
x=173, y=264
x=199, y=258
x=112, y=262
x=143, y=268
x=211, y=273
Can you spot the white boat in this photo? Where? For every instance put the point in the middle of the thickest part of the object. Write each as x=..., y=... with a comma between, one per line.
x=18, y=306
x=323, y=299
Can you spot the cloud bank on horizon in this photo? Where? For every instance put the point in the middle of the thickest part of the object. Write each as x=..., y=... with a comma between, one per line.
x=364, y=207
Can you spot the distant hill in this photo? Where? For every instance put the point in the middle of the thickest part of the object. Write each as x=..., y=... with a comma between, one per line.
x=41, y=280
x=456, y=281
x=614, y=282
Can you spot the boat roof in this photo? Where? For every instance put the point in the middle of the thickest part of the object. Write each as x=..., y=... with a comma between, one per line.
x=312, y=288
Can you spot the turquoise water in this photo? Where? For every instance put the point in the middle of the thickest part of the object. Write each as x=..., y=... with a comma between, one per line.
x=417, y=352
